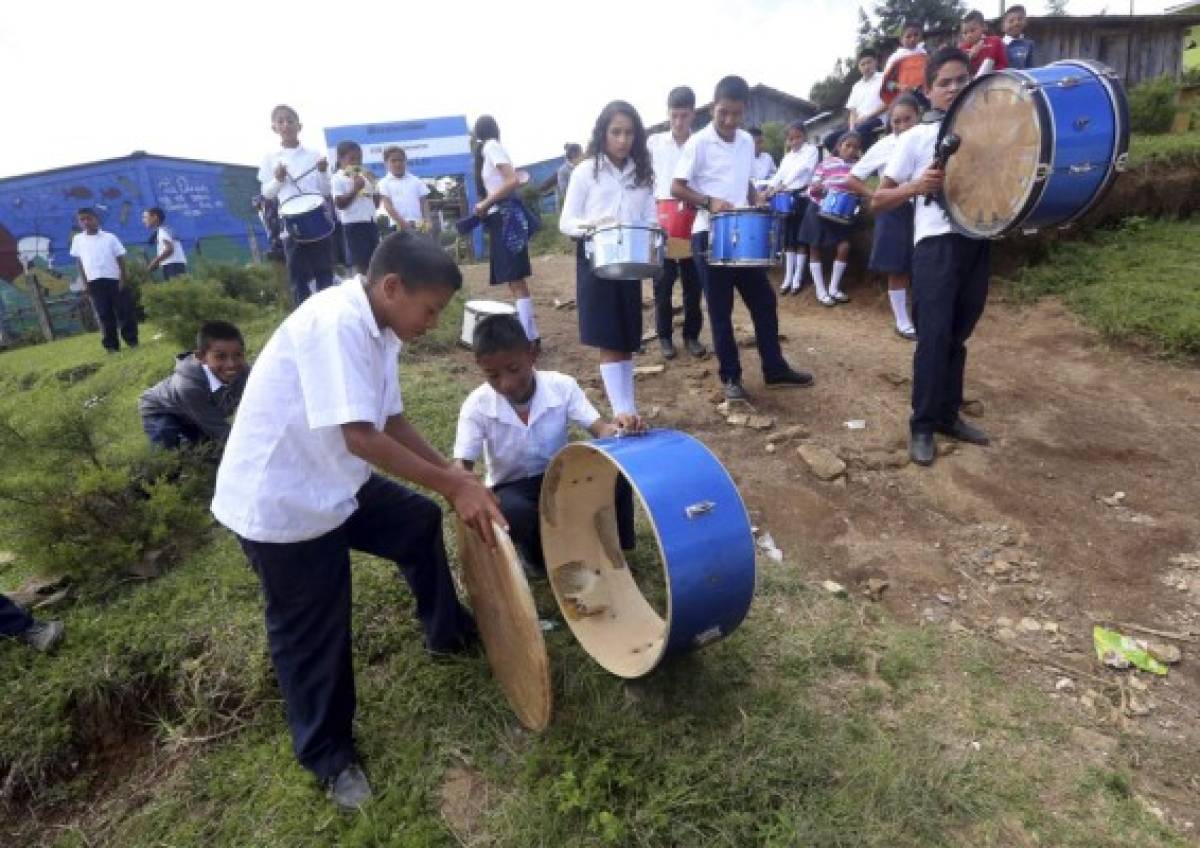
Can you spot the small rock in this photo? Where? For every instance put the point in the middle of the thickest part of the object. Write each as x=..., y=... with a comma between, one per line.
x=945, y=447
x=1050, y=626
x=1093, y=740
x=1114, y=499
x=1006, y=634
x=7, y=557
x=876, y=586
x=824, y=464
x=835, y=589
x=1064, y=684
x=897, y=459
x=1135, y=707
x=1004, y=621
x=998, y=567
x=957, y=627
x=648, y=370
x=760, y=422
x=771, y=447
x=944, y=598
x=1137, y=683
x=934, y=615
x=564, y=304
x=1030, y=625
x=973, y=408
x=893, y=378
x=1151, y=808
x=737, y=419
x=1164, y=653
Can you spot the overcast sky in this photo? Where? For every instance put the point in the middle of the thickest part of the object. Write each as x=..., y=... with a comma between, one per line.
x=93, y=80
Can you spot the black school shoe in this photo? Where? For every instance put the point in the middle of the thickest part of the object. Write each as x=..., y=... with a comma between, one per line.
x=667, y=347
x=734, y=391
x=789, y=379
x=466, y=642
x=696, y=348
x=961, y=431
x=349, y=790
x=921, y=449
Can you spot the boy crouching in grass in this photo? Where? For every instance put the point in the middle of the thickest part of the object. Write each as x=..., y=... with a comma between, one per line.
x=322, y=408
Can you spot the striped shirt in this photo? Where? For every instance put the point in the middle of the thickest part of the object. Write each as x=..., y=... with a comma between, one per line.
x=830, y=174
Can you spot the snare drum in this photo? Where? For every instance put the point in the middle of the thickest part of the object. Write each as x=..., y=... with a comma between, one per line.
x=1066, y=137
x=306, y=217
x=841, y=207
x=743, y=237
x=475, y=311
x=783, y=203
x=702, y=533
x=676, y=218
x=626, y=251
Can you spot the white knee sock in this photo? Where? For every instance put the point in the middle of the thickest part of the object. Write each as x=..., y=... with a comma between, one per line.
x=801, y=261
x=818, y=279
x=618, y=385
x=899, y=298
x=835, y=285
x=525, y=314
x=789, y=268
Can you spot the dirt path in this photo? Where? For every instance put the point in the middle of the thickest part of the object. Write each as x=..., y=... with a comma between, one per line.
x=1016, y=531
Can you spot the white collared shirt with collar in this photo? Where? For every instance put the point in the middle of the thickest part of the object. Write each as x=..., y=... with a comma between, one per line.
x=717, y=168
x=764, y=166
x=796, y=169
x=912, y=155
x=866, y=96
x=361, y=210
x=876, y=159
x=606, y=191
x=304, y=178
x=488, y=426
x=664, y=156
x=215, y=384
x=286, y=474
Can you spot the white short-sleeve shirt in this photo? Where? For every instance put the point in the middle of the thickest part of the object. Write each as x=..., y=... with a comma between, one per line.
x=605, y=192
x=361, y=209
x=488, y=426
x=865, y=96
x=493, y=156
x=912, y=155
x=764, y=166
x=301, y=164
x=664, y=156
x=718, y=168
x=875, y=159
x=405, y=193
x=98, y=253
x=286, y=474
x=177, y=256
x=796, y=169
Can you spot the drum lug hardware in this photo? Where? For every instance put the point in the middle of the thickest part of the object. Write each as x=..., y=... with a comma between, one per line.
x=1121, y=163
x=698, y=509
x=1068, y=82
x=1042, y=172
x=1082, y=123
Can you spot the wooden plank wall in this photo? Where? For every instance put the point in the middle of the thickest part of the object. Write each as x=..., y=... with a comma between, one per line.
x=1138, y=52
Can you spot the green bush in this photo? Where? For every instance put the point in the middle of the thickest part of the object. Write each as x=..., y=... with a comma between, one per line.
x=1152, y=106
x=88, y=512
x=179, y=307
x=260, y=284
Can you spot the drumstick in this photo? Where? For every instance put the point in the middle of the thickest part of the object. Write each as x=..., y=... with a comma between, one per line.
x=946, y=148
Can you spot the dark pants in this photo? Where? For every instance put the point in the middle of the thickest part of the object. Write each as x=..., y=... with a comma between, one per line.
x=950, y=285
x=13, y=620
x=114, y=306
x=171, y=431
x=306, y=586
x=308, y=261
x=174, y=269
x=719, y=282
x=519, y=503
x=693, y=318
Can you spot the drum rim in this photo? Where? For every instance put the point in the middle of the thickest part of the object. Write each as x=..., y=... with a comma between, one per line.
x=619, y=226
x=1045, y=155
x=320, y=203
x=748, y=211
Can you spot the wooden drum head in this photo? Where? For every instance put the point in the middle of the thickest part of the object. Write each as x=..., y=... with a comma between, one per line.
x=508, y=624
x=992, y=177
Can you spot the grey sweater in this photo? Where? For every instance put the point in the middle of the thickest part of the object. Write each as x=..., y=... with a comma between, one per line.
x=186, y=394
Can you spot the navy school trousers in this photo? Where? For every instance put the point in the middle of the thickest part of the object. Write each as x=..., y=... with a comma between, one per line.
x=950, y=285
x=115, y=309
x=306, y=262
x=13, y=620
x=664, y=317
x=719, y=283
x=306, y=586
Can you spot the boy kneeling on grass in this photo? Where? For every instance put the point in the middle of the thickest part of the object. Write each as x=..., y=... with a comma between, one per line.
x=296, y=486
x=518, y=421
x=193, y=405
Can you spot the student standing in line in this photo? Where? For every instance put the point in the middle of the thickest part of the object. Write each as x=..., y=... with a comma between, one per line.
x=506, y=220
x=818, y=232
x=665, y=148
x=285, y=173
x=296, y=484
x=101, y=259
x=169, y=250
x=865, y=103
x=572, y=153
x=714, y=174
x=614, y=184
x=892, y=245
x=403, y=195
x=1017, y=47
x=355, y=198
x=764, y=165
x=949, y=271
x=794, y=174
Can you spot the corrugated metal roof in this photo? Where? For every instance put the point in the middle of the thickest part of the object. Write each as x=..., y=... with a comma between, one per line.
x=136, y=155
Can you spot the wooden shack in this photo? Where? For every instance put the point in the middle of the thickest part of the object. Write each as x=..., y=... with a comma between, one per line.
x=1137, y=47
x=766, y=105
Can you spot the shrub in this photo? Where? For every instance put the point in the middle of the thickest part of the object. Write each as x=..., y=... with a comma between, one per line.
x=181, y=306
x=263, y=285
x=85, y=512
x=1152, y=106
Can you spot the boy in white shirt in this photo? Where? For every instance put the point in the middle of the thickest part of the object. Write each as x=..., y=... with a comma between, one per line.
x=865, y=103
x=949, y=271
x=321, y=407
x=764, y=165
x=290, y=171
x=355, y=199
x=516, y=422
x=101, y=258
x=170, y=256
x=714, y=174
x=403, y=196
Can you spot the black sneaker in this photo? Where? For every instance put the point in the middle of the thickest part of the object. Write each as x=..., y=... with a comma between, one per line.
x=349, y=790
x=734, y=390
x=667, y=347
x=789, y=379
x=43, y=636
x=961, y=431
x=695, y=348
x=921, y=449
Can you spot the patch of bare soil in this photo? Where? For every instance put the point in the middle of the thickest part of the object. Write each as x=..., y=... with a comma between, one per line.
x=997, y=539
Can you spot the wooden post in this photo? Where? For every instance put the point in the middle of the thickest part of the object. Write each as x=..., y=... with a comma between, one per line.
x=39, y=305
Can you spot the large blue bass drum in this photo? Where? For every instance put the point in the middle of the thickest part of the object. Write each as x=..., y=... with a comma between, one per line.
x=702, y=533
x=1039, y=147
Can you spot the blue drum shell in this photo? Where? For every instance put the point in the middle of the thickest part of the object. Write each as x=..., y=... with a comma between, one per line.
x=743, y=237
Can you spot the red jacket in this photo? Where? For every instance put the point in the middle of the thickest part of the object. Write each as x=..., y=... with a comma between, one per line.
x=990, y=47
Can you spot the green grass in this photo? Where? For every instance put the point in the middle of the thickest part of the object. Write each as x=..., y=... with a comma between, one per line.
x=818, y=723
x=1136, y=284
x=1170, y=149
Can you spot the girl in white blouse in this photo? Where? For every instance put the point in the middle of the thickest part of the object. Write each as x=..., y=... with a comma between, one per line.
x=614, y=184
